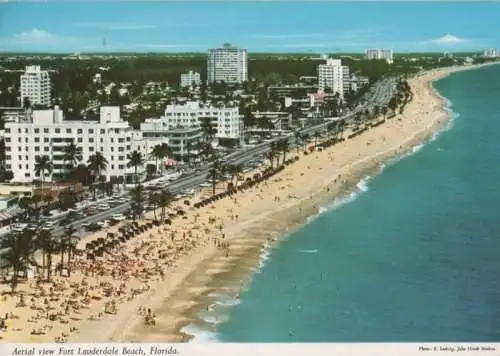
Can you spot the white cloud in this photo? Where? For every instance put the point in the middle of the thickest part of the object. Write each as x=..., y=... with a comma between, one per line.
x=35, y=36
x=116, y=26
x=38, y=39
x=448, y=40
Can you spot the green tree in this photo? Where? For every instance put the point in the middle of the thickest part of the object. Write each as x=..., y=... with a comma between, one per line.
x=96, y=164
x=43, y=165
x=72, y=155
x=135, y=160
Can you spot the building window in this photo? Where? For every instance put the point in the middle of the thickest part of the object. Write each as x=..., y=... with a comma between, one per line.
x=121, y=158
x=68, y=131
x=112, y=166
x=120, y=149
x=57, y=130
x=121, y=166
x=102, y=140
x=80, y=139
x=103, y=131
x=79, y=131
x=19, y=139
x=20, y=158
x=102, y=149
x=46, y=149
x=37, y=148
x=45, y=139
x=45, y=130
x=91, y=139
x=19, y=130
x=91, y=149
x=37, y=130
x=37, y=139
x=91, y=131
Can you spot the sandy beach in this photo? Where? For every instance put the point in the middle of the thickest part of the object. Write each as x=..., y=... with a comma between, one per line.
x=150, y=287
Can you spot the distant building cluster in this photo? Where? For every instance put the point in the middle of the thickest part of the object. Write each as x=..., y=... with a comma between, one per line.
x=227, y=64
x=379, y=53
x=491, y=53
x=190, y=79
x=35, y=86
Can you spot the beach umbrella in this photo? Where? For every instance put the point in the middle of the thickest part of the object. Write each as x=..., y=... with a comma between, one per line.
x=187, y=202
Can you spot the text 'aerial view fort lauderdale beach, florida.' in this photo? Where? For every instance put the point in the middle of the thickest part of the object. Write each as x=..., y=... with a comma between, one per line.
x=249, y=172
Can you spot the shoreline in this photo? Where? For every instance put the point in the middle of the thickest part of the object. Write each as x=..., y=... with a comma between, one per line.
x=191, y=316
x=317, y=179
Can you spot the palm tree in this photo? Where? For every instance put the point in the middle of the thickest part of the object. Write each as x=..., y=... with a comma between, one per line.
x=317, y=135
x=43, y=165
x=18, y=249
x=70, y=244
x=234, y=170
x=72, y=155
x=207, y=129
x=160, y=152
x=298, y=138
x=164, y=199
x=96, y=164
x=136, y=201
x=153, y=200
x=135, y=160
x=46, y=243
x=215, y=171
x=189, y=148
x=384, y=111
x=283, y=146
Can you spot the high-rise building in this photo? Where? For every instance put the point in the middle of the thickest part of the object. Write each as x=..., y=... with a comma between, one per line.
x=491, y=53
x=228, y=64
x=331, y=75
x=379, y=53
x=189, y=79
x=35, y=85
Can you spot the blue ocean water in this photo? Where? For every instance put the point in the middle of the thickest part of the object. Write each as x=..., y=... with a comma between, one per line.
x=414, y=258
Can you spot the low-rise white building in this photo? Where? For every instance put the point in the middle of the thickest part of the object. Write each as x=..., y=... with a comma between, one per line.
x=190, y=79
x=227, y=121
x=47, y=133
x=182, y=140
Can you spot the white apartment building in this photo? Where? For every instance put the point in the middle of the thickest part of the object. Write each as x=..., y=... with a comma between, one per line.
x=331, y=75
x=47, y=133
x=379, y=53
x=228, y=64
x=182, y=140
x=189, y=79
x=491, y=53
x=346, y=79
x=35, y=85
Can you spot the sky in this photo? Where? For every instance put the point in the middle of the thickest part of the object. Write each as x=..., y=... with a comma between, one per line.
x=264, y=26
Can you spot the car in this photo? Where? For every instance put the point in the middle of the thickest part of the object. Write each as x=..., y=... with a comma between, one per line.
x=118, y=217
x=103, y=207
x=204, y=185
